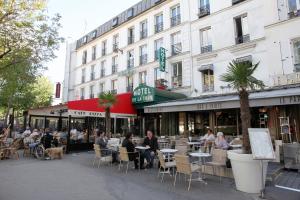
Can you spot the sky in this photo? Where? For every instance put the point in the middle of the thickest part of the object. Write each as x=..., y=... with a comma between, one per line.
x=78, y=18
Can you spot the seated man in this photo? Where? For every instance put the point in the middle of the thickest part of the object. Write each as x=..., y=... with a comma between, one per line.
x=47, y=139
x=150, y=141
x=127, y=142
x=208, y=139
x=102, y=142
x=220, y=142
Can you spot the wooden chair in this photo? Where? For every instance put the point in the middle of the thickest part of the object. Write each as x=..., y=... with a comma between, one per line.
x=164, y=166
x=219, y=157
x=184, y=166
x=100, y=157
x=124, y=157
x=182, y=149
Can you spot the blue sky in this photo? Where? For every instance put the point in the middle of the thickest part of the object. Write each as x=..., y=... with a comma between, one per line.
x=80, y=17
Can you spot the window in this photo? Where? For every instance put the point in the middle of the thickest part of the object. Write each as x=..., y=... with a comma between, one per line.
x=296, y=48
x=143, y=55
x=101, y=88
x=82, y=93
x=205, y=35
x=236, y=1
x=294, y=8
x=102, y=70
x=241, y=29
x=115, y=22
x=177, y=75
x=157, y=45
x=143, y=28
x=159, y=23
x=82, y=75
x=176, y=43
x=94, y=34
x=130, y=59
x=114, y=68
x=92, y=75
x=114, y=86
x=84, y=39
x=104, y=48
x=131, y=35
x=115, y=43
x=208, y=80
x=94, y=51
x=159, y=81
x=91, y=91
x=84, y=57
x=130, y=13
x=175, y=16
x=129, y=83
x=204, y=8
x=143, y=77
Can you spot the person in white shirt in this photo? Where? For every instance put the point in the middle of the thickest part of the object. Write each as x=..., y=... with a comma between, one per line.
x=208, y=139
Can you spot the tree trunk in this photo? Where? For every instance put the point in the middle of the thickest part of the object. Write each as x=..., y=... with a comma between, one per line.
x=246, y=118
x=107, y=121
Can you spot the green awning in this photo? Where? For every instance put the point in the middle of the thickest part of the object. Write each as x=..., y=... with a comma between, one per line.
x=145, y=95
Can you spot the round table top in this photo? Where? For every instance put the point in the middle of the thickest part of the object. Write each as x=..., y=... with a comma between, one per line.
x=194, y=143
x=236, y=145
x=199, y=154
x=163, y=141
x=168, y=150
x=142, y=148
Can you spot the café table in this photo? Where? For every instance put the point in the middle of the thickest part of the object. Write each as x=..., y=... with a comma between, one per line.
x=168, y=152
x=201, y=161
x=236, y=146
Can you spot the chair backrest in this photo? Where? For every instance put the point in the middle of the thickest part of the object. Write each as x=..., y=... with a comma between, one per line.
x=161, y=158
x=183, y=164
x=219, y=156
x=124, y=154
x=182, y=149
x=97, y=150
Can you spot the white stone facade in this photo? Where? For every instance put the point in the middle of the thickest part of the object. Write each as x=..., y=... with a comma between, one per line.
x=268, y=31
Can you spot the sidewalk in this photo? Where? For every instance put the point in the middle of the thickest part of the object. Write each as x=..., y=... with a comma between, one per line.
x=74, y=178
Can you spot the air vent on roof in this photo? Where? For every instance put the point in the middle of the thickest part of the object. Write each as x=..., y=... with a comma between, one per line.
x=129, y=13
x=115, y=21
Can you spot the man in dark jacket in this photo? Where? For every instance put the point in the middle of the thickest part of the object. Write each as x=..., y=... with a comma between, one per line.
x=150, y=141
x=132, y=154
x=102, y=141
x=47, y=139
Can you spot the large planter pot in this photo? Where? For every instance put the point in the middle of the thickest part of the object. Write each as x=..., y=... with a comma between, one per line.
x=247, y=172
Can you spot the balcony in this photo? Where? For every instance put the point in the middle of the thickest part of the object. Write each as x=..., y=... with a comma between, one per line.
x=115, y=47
x=158, y=27
x=242, y=39
x=102, y=73
x=92, y=96
x=83, y=60
x=143, y=34
x=294, y=13
x=208, y=88
x=82, y=79
x=206, y=49
x=130, y=63
x=114, y=69
x=129, y=88
x=236, y=1
x=114, y=91
x=156, y=54
x=131, y=40
x=176, y=20
x=94, y=56
x=143, y=59
x=161, y=84
x=176, y=49
x=92, y=76
x=103, y=52
x=176, y=81
x=204, y=11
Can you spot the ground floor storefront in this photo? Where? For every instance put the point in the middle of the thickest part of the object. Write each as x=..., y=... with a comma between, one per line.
x=277, y=109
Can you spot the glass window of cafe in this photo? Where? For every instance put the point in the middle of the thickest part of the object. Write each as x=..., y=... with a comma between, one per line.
x=78, y=132
x=226, y=121
x=37, y=122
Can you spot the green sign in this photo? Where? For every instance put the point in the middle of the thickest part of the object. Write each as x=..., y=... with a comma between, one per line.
x=162, y=59
x=143, y=94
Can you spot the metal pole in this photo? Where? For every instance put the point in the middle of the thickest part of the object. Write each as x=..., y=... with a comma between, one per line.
x=68, y=136
x=262, y=192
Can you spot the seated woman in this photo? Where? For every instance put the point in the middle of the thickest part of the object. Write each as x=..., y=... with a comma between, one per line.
x=220, y=142
x=208, y=139
x=133, y=155
x=102, y=142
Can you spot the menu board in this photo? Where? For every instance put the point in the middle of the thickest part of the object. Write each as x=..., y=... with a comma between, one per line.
x=261, y=144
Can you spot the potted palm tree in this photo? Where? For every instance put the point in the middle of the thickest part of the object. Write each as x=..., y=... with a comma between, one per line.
x=107, y=100
x=246, y=171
